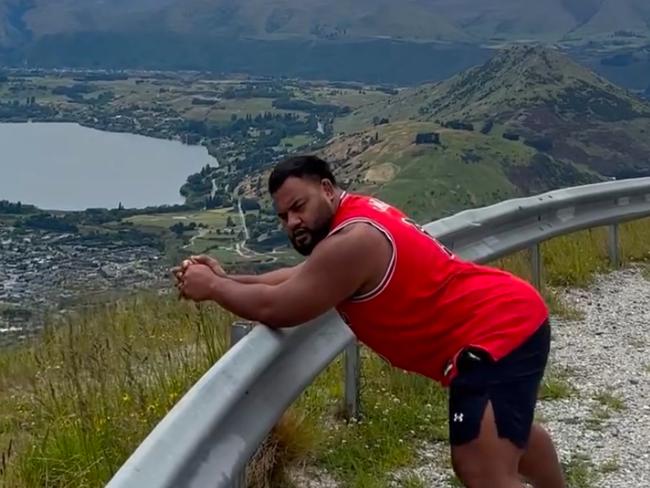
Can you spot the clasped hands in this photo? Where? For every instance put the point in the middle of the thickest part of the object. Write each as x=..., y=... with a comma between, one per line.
x=197, y=277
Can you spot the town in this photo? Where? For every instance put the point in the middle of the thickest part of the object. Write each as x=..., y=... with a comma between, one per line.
x=43, y=272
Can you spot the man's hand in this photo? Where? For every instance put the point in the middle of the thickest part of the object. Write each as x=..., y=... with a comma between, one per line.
x=198, y=282
x=213, y=264
x=210, y=262
x=178, y=272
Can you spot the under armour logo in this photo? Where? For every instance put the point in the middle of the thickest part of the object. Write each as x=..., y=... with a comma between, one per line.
x=458, y=417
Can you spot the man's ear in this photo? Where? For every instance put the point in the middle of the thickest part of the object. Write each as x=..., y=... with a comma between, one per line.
x=328, y=187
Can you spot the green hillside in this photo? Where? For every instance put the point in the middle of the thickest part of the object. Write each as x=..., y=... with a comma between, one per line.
x=539, y=96
x=517, y=78
x=465, y=169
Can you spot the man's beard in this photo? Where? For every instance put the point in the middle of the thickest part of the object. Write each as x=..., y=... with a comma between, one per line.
x=305, y=240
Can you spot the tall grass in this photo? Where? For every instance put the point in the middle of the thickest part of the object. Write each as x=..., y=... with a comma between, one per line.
x=77, y=401
x=399, y=409
x=574, y=260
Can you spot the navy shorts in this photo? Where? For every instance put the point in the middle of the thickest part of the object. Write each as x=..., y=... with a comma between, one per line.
x=510, y=384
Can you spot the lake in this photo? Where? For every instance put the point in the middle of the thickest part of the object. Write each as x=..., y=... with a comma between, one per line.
x=64, y=166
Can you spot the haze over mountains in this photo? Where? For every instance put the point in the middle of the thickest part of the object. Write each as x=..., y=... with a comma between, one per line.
x=451, y=20
x=389, y=41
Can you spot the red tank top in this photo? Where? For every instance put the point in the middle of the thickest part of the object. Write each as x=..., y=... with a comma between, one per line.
x=430, y=303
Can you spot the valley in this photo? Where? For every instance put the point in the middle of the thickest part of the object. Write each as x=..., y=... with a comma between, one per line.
x=527, y=121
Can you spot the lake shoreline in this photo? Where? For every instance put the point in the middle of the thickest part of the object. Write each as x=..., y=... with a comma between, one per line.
x=119, y=168
x=104, y=128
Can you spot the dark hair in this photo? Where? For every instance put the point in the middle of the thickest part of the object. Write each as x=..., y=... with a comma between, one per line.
x=300, y=167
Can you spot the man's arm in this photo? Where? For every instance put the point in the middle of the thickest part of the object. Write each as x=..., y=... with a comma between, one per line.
x=339, y=266
x=274, y=277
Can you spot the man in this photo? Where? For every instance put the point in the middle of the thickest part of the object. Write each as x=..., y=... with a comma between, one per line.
x=480, y=331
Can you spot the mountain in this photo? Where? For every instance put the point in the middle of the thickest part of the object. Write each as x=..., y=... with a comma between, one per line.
x=451, y=20
x=538, y=95
x=527, y=121
x=551, y=20
x=377, y=41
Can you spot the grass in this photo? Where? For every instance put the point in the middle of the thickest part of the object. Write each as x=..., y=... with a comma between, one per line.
x=412, y=482
x=610, y=466
x=216, y=237
x=645, y=271
x=606, y=405
x=556, y=385
x=225, y=109
x=610, y=402
x=576, y=259
x=296, y=141
x=580, y=471
x=399, y=409
x=76, y=402
x=212, y=218
x=465, y=170
x=352, y=98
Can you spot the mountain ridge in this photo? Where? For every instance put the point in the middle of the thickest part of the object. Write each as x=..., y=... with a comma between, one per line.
x=527, y=121
x=448, y=20
x=534, y=93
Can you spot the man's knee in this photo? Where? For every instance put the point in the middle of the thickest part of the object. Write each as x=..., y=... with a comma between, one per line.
x=465, y=471
x=475, y=471
x=471, y=471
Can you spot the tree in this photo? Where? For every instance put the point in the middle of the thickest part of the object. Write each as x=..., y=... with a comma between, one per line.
x=427, y=138
x=178, y=229
x=249, y=204
x=250, y=219
x=487, y=126
x=540, y=143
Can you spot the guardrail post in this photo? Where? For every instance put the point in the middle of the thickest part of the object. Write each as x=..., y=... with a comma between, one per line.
x=239, y=330
x=614, y=250
x=536, y=263
x=352, y=380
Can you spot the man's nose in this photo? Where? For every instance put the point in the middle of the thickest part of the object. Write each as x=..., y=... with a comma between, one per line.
x=294, y=221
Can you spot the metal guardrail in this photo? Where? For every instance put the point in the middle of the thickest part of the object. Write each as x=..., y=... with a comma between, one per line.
x=209, y=436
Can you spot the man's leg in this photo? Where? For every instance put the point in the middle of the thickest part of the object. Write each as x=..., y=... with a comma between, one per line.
x=487, y=461
x=540, y=464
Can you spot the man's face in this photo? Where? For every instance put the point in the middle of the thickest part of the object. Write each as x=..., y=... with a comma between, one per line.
x=306, y=208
